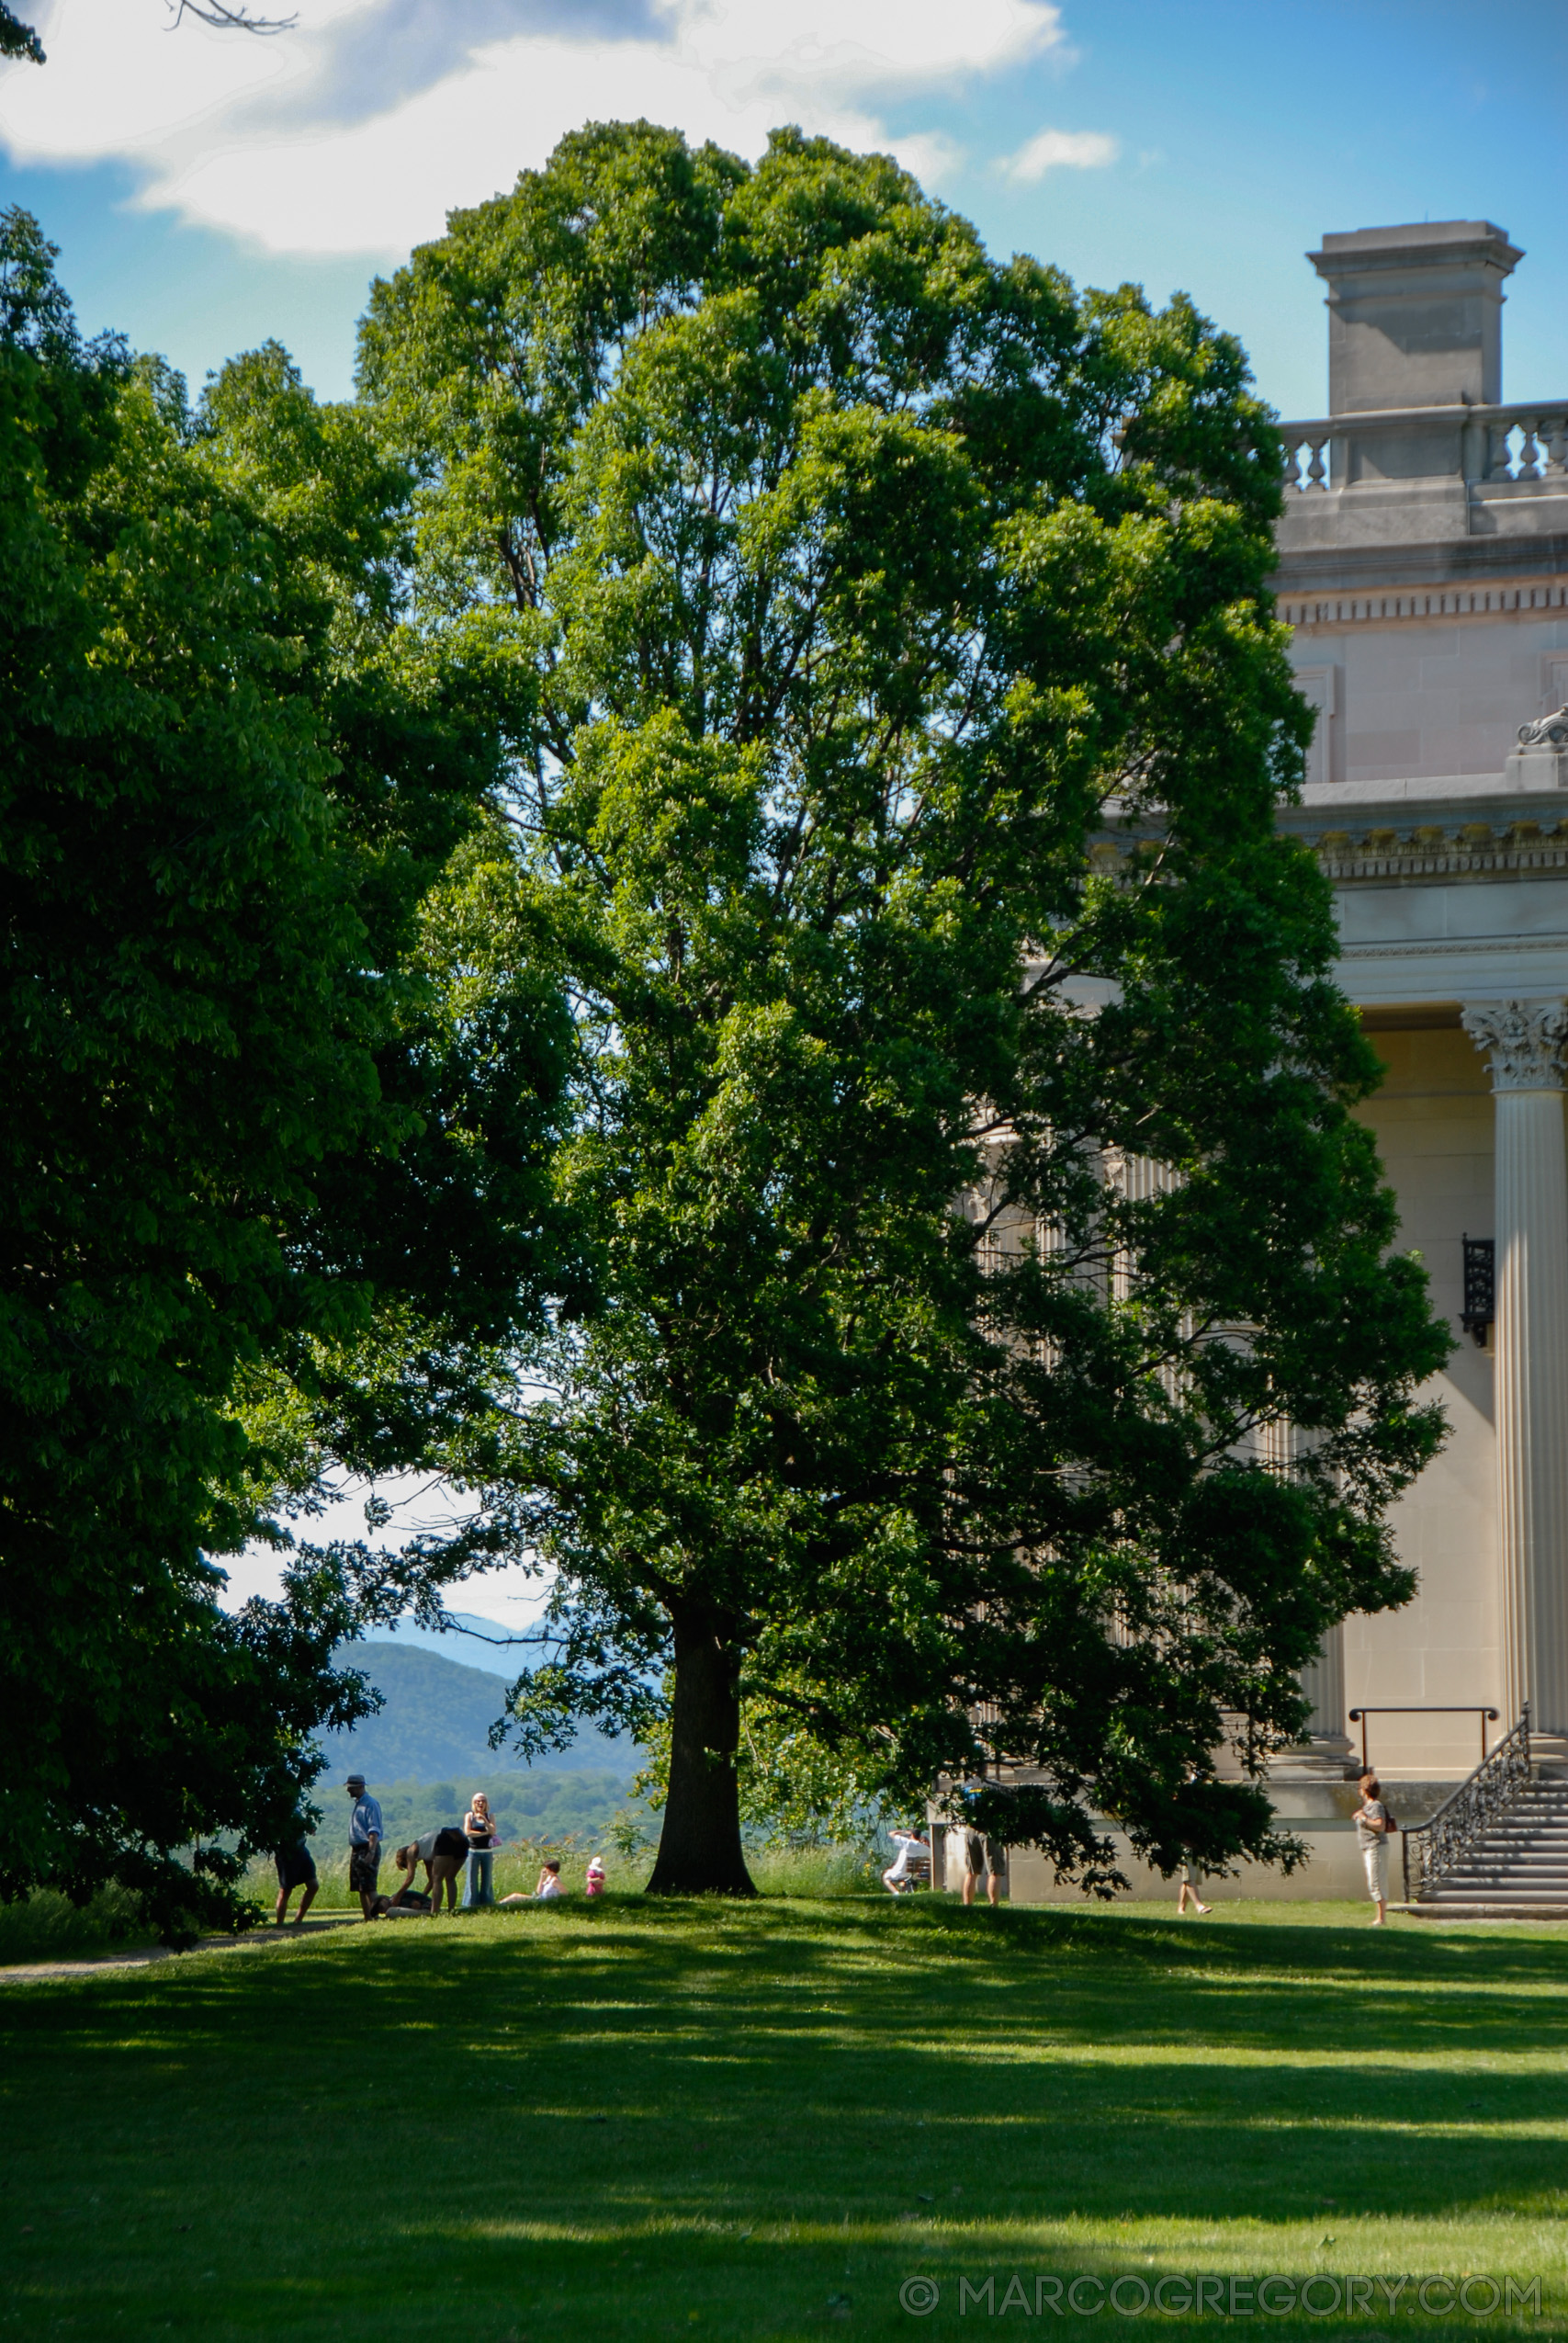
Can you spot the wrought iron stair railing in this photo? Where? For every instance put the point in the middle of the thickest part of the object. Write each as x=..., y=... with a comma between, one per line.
x=1434, y=1847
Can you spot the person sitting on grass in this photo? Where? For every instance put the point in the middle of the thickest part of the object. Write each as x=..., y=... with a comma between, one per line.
x=549, y=1887
x=296, y=1868
x=913, y=1862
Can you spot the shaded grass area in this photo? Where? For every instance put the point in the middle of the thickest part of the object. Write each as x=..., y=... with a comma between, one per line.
x=630, y=2120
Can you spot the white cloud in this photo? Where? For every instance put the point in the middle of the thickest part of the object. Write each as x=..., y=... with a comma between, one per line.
x=1060, y=151
x=264, y=137
x=515, y=1595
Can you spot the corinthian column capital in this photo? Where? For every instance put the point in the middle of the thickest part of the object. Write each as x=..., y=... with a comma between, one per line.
x=1523, y=1039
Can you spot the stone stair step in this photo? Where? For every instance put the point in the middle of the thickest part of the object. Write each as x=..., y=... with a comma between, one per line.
x=1515, y=1867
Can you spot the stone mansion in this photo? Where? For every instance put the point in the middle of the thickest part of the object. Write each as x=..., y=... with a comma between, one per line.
x=1424, y=570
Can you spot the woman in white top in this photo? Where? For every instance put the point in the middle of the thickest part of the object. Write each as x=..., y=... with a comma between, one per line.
x=1373, y=1823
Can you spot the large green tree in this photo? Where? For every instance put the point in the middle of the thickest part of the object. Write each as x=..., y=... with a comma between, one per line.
x=241, y=1127
x=896, y=714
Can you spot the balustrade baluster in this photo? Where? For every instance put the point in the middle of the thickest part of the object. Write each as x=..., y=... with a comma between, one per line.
x=1556, y=427
x=1528, y=467
x=1499, y=465
x=1432, y=1848
x=1316, y=468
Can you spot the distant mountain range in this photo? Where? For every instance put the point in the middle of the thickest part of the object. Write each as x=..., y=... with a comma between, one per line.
x=433, y=1724
x=472, y=1642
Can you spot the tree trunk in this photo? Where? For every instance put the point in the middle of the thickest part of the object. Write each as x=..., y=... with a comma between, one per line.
x=699, y=1848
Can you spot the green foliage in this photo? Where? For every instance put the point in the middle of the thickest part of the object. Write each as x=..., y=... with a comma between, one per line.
x=852, y=602
x=47, y=1926
x=796, y=1791
x=228, y=774
x=17, y=39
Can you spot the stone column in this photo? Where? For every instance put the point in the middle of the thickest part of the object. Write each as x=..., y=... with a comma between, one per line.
x=1525, y=1041
x=1322, y=1681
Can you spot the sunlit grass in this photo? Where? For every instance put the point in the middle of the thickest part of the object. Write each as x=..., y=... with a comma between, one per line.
x=635, y=2120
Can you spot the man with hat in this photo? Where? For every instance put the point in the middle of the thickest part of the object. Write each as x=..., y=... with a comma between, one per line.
x=364, y=1844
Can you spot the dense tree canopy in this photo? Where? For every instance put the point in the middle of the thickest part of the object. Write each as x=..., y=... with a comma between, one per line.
x=896, y=714
x=243, y=1125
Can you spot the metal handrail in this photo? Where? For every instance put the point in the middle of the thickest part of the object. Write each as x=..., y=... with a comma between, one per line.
x=1490, y=1790
x=1466, y=1708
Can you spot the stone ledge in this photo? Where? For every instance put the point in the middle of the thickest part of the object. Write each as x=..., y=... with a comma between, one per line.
x=1438, y=850
x=1336, y=610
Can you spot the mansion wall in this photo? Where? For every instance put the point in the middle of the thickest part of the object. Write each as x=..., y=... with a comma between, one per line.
x=1424, y=571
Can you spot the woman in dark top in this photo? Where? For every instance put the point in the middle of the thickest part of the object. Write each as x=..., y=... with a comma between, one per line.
x=296, y=1868
x=478, y=1828
x=448, y=1854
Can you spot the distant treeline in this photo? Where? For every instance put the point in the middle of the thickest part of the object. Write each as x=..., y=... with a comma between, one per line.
x=549, y=1807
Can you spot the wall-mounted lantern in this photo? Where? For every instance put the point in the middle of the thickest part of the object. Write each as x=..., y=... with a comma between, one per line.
x=1480, y=1286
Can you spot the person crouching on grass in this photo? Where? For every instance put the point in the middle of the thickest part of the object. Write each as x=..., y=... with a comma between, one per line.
x=1373, y=1823
x=407, y=1897
x=446, y=1853
x=296, y=1868
x=443, y=1853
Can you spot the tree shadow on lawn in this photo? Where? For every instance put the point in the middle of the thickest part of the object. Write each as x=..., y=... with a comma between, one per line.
x=631, y=2090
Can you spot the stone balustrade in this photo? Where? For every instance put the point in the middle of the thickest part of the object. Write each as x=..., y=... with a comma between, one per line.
x=1486, y=443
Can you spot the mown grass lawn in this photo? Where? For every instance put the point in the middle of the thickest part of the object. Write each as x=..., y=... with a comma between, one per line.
x=637, y=2120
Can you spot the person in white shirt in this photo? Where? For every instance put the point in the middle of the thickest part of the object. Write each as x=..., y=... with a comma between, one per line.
x=1373, y=1823
x=912, y=1862
x=549, y=1884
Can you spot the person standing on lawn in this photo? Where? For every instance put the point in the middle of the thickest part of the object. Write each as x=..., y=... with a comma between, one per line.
x=1373, y=1823
x=478, y=1829
x=363, y=1845
x=1189, y=1887
x=296, y=1868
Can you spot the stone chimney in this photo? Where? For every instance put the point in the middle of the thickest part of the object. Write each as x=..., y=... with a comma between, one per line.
x=1414, y=320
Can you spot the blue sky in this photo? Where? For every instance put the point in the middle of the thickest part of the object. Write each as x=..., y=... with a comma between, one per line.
x=208, y=190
